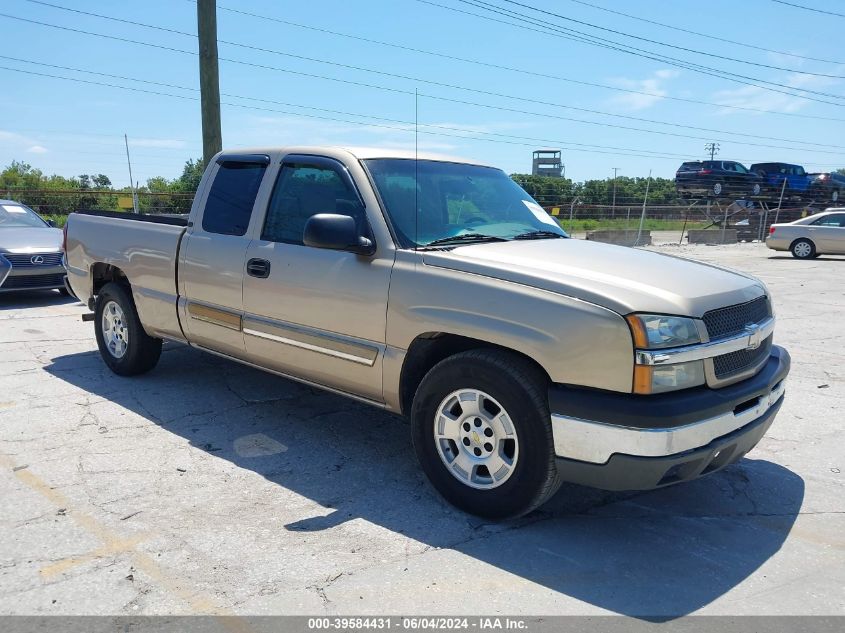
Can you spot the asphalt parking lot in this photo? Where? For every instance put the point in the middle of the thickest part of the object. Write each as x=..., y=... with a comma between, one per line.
x=209, y=487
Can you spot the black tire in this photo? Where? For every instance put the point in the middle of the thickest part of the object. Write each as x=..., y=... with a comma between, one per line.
x=718, y=189
x=521, y=388
x=835, y=195
x=142, y=351
x=799, y=249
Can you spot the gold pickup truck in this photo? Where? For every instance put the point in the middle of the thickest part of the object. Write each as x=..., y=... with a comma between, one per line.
x=438, y=289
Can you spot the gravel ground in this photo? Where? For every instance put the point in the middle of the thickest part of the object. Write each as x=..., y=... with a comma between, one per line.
x=208, y=487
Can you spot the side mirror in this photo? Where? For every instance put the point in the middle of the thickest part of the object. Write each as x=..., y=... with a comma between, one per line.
x=336, y=232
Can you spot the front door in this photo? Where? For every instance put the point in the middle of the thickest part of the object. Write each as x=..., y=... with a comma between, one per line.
x=314, y=313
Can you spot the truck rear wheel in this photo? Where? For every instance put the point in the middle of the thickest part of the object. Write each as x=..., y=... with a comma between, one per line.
x=482, y=433
x=124, y=345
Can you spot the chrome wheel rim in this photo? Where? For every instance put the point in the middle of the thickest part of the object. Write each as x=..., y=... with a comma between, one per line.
x=717, y=188
x=802, y=249
x=756, y=190
x=476, y=439
x=115, y=329
x=834, y=196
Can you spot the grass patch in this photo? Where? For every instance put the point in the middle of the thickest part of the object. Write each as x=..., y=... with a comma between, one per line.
x=621, y=224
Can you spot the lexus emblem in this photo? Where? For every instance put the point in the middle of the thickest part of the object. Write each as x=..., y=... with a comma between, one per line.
x=754, y=336
x=37, y=259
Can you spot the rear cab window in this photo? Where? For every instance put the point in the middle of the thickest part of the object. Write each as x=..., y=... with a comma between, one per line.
x=231, y=198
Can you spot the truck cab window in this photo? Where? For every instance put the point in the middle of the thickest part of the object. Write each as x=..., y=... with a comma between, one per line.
x=232, y=196
x=301, y=192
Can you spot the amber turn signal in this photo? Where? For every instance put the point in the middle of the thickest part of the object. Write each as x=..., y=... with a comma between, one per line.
x=637, y=331
x=642, y=379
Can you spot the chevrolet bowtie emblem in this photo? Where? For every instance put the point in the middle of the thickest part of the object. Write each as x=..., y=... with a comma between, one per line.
x=754, y=336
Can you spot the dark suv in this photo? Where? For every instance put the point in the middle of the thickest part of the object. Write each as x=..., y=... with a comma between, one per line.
x=716, y=179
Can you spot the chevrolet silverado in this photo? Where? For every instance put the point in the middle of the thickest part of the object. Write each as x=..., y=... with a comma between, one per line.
x=438, y=289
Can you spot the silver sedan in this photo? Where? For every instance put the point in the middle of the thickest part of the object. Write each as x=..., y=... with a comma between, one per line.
x=819, y=234
x=30, y=251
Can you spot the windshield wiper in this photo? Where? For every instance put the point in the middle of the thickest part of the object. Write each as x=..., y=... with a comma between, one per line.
x=466, y=237
x=537, y=235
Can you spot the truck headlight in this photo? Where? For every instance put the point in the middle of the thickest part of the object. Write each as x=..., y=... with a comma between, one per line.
x=656, y=331
x=650, y=379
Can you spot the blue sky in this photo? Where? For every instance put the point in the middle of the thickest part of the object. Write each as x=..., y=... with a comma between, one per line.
x=72, y=127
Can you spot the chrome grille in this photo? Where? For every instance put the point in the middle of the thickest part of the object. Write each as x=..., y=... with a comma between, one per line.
x=725, y=322
x=22, y=282
x=728, y=365
x=24, y=260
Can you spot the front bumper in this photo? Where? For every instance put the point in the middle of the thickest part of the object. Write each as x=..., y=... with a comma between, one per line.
x=46, y=278
x=629, y=442
x=30, y=276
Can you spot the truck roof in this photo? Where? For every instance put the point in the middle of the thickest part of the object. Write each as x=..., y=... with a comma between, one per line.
x=359, y=153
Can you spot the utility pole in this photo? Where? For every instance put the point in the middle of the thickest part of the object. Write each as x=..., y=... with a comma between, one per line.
x=212, y=140
x=712, y=148
x=132, y=188
x=613, y=204
x=642, y=217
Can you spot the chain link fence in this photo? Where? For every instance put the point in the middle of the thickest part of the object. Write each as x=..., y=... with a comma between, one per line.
x=631, y=220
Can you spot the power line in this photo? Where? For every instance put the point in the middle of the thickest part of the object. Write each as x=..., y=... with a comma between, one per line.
x=538, y=26
x=806, y=8
x=706, y=35
x=568, y=145
x=448, y=86
x=239, y=44
x=512, y=69
x=639, y=52
x=659, y=43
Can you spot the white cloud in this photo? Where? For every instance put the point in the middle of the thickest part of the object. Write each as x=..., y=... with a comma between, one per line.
x=654, y=86
x=37, y=149
x=759, y=98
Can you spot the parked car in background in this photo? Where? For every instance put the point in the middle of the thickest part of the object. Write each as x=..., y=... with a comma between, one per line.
x=717, y=179
x=30, y=251
x=819, y=234
x=797, y=180
x=827, y=187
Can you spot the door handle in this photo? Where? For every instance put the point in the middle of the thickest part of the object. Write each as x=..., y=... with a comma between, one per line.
x=258, y=268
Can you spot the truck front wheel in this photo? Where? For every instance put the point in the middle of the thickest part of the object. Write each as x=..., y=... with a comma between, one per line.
x=482, y=433
x=124, y=345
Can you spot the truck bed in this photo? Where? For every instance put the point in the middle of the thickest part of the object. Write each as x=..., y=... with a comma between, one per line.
x=144, y=247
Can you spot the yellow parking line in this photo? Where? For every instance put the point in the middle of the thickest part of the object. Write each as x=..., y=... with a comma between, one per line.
x=113, y=544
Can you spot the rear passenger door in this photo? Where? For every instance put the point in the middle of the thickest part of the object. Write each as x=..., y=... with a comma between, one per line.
x=211, y=267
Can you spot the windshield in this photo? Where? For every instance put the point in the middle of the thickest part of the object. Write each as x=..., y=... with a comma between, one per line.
x=455, y=200
x=13, y=215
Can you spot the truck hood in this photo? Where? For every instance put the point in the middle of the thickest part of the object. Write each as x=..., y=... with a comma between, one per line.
x=30, y=239
x=619, y=278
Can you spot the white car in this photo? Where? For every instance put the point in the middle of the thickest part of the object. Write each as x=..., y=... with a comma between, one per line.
x=819, y=234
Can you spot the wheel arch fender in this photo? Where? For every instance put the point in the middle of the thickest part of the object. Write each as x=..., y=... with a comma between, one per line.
x=429, y=348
